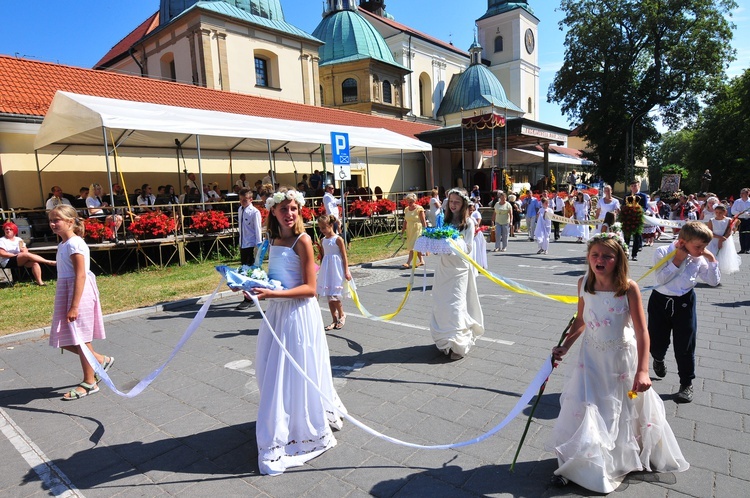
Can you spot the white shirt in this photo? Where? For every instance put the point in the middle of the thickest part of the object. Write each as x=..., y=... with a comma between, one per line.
x=74, y=245
x=242, y=184
x=146, y=200
x=11, y=246
x=557, y=204
x=604, y=207
x=53, y=202
x=678, y=281
x=331, y=204
x=248, y=222
x=739, y=205
x=95, y=206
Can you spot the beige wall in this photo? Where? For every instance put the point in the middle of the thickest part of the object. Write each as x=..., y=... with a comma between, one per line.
x=81, y=166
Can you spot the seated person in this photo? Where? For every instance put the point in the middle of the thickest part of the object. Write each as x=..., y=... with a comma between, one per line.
x=95, y=205
x=15, y=254
x=146, y=199
x=57, y=198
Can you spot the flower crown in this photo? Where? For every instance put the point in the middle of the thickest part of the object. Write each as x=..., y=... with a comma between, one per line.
x=289, y=195
x=459, y=193
x=615, y=232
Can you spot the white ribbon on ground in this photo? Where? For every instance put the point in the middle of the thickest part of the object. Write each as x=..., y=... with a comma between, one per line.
x=144, y=383
x=523, y=401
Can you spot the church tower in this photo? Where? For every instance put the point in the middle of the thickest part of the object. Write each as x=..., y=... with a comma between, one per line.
x=508, y=33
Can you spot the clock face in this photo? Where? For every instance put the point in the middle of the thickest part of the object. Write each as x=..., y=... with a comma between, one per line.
x=529, y=39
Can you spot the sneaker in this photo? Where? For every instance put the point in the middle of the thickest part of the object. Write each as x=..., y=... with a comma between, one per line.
x=660, y=368
x=245, y=305
x=684, y=395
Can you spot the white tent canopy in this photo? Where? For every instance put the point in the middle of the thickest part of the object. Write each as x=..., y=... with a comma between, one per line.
x=75, y=119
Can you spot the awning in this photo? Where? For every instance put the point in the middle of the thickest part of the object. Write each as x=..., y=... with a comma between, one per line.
x=525, y=156
x=75, y=119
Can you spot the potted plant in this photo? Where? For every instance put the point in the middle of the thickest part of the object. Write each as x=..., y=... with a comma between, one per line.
x=96, y=231
x=212, y=221
x=152, y=225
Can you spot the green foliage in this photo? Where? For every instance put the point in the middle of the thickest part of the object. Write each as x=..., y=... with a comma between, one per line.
x=719, y=141
x=624, y=58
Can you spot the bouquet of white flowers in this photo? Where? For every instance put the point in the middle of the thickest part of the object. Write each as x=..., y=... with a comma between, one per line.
x=247, y=278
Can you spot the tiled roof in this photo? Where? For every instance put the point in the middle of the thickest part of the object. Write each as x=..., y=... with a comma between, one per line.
x=27, y=88
x=121, y=48
x=406, y=29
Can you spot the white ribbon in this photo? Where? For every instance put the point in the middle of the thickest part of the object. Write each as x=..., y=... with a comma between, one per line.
x=533, y=388
x=143, y=384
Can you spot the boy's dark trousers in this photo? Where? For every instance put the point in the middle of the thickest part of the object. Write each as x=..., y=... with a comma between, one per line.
x=674, y=316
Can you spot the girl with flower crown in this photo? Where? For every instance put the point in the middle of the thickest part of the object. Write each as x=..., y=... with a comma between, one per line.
x=294, y=421
x=611, y=422
x=457, y=318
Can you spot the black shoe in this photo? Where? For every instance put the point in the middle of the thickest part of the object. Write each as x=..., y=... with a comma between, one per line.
x=660, y=368
x=559, y=481
x=684, y=395
x=245, y=305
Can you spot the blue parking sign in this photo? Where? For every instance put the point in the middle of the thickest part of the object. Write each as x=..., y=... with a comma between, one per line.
x=340, y=148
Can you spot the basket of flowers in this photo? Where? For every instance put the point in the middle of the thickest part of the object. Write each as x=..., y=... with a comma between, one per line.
x=152, y=225
x=210, y=221
x=96, y=231
x=436, y=240
x=361, y=208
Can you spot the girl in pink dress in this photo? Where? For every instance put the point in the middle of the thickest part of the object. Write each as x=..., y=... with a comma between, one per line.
x=76, y=299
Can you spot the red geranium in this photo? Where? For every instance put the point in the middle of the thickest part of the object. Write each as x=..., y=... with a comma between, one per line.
x=385, y=206
x=362, y=208
x=97, y=231
x=153, y=224
x=210, y=221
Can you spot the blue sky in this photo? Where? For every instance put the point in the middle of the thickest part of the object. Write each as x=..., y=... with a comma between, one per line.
x=80, y=32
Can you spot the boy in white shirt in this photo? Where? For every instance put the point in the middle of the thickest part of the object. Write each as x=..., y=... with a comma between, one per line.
x=671, y=307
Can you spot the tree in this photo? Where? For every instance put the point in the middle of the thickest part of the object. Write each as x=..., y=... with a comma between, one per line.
x=721, y=142
x=624, y=58
x=673, y=148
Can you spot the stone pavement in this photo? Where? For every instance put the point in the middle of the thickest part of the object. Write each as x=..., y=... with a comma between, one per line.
x=191, y=433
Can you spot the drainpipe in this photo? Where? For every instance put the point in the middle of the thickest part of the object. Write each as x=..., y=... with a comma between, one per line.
x=411, y=82
x=140, y=66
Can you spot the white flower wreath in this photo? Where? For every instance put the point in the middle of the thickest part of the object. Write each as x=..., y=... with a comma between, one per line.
x=289, y=195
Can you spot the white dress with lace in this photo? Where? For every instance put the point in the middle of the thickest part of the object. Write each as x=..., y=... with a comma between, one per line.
x=294, y=423
x=729, y=260
x=601, y=434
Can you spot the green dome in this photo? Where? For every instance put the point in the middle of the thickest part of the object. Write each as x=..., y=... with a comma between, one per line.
x=474, y=88
x=349, y=37
x=269, y=9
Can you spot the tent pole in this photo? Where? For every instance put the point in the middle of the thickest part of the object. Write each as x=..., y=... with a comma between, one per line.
x=200, y=169
x=39, y=176
x=109, y=173
x=367, y=171
x=403, y=182
x=323, y=158
x=270, y=164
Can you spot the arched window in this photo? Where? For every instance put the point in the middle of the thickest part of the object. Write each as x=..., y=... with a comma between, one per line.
x=531, y=108
x=387, y=93
x=266, y=69
x=349, y=90
x=168, y=71
x=261, y=72
x=498, y=44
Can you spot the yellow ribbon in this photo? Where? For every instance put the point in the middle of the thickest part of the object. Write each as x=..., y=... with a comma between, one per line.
x=658, y=265
x=507, y=283
x=358, y=303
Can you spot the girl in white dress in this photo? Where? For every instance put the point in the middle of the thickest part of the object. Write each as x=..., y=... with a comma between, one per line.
x=722, y=245
x=333, y=270
x=611, y=422
x=479, y=247
x=76, y=299
x=294, y=421
x=543, y=226
x=457, y=318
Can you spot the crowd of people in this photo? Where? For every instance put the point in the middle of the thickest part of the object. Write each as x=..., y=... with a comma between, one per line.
x=611, y=421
